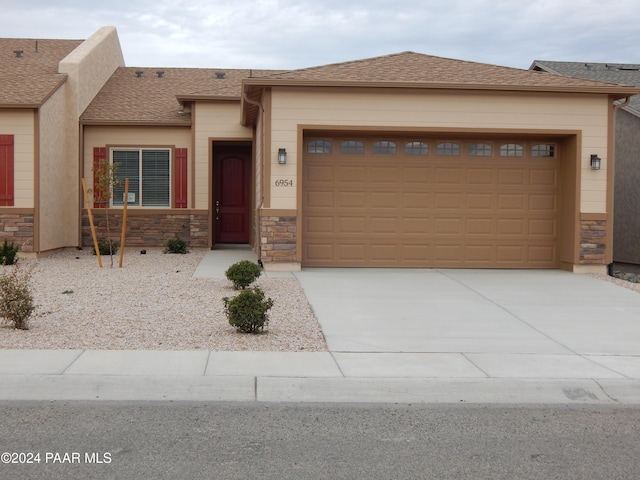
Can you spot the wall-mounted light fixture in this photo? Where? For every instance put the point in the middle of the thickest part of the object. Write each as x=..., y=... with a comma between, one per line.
x=595, y=162
x=282, y=156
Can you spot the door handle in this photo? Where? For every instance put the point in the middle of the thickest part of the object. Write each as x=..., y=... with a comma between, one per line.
x=217, y=209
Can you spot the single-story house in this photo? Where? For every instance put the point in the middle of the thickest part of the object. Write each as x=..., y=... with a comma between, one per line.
x=626, y=214
x=403, y=160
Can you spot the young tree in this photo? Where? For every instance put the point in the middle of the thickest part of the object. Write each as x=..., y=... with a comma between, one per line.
x=105, y=174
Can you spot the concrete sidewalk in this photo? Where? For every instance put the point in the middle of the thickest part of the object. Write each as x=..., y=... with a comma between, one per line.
x=409, y=336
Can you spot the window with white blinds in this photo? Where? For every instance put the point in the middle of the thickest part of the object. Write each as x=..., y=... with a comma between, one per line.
x=149, y=174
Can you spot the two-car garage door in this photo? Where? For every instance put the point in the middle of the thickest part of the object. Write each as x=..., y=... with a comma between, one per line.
x=412, y=202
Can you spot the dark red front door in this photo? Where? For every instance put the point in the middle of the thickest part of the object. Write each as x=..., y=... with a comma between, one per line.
x=231, y=200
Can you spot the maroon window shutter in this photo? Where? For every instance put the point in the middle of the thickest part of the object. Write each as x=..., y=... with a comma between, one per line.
x=6, y=170
x=180, y=178
x=99, y=159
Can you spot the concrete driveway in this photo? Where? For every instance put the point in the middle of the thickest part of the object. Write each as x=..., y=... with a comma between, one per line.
x=468, y=323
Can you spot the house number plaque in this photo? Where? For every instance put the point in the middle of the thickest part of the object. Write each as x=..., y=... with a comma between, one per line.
x=284, y=182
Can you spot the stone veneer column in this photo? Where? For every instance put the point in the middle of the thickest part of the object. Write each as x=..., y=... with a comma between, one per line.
x=17, y=228
x=278, y=236
x=593, y=237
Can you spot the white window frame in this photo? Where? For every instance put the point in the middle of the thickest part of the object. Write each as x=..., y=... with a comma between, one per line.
x=138, y=202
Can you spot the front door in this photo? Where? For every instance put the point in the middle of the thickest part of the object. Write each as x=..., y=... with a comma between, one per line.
x=232, y=194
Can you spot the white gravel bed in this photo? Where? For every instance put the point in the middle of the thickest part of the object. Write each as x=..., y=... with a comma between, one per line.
x=151, y=303
x=618, y=281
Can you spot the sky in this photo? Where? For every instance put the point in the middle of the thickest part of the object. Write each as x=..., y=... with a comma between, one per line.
x=291, y=34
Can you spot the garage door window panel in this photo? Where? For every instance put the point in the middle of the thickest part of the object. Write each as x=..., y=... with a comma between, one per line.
x=511, y=150
x=319, y=146
x=416, y=148
x=384, y=147
x=545, y=150
x=448, y=149
x=480, y=150
x=352, y=147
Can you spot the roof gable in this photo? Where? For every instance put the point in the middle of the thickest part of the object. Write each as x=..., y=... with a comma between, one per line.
x=29, y=73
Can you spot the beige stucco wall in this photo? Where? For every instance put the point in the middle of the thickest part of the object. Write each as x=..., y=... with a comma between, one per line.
x=435, y=110
x=20, y=123
x=52, y=184
x=213, y=121
x=88, y=68
x=96, y=136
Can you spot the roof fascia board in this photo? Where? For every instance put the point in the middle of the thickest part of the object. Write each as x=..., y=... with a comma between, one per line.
x=207, y=98
x=126, y=123
x=622, y=90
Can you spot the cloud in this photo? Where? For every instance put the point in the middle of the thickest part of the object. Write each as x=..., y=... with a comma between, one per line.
x=287, y=34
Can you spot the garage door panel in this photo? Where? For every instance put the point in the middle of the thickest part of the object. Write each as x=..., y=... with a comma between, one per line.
x=479, y=201
x=319, y=173
x=384, y=225
x=385, y=175
x=319, y=199
x=542, y=226
x=318, y=225
x=511, y=226
x=385, y=199
x=512, y=177
x=480, y=176
x=542, y=202
x=449, y=176
x=415, y=200
x=350, y=174
x=480, y=226
x=351, y=253
x=445, y=200
x=430, y=211
x=350, y=225
x=420, y=175
x=511, y=201
x=543, y=178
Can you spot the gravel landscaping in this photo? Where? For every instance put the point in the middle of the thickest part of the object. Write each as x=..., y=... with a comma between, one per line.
x=152, y=303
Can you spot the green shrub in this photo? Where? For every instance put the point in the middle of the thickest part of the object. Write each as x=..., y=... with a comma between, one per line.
x=8, y=253
x=243, y=274
x=103, y=247
x=176, y=245
x=16, y=300
x=248, y=310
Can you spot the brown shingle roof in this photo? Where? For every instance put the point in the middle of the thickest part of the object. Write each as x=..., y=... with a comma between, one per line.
x=147, y=98
x=417, y=68
x=28, y=80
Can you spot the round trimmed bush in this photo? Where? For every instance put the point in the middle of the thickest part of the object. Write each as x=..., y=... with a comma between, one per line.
x=243, y=273
x=247, y=311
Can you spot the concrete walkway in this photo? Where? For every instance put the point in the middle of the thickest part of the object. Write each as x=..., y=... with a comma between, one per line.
x=394, y=335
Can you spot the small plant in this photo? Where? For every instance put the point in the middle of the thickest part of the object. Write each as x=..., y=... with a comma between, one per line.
x=106, y=247
x=248, y=310
x=176, y=245
x=16, y=300
x=8, y=253
x=243, y=273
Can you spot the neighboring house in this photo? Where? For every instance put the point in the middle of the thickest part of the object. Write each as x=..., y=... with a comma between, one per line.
x=626, y=224
x=44, y=86
x=404, y=160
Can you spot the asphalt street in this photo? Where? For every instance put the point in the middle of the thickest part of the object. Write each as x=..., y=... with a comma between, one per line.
x=195, y=440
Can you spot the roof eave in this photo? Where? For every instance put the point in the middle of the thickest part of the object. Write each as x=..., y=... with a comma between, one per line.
x=209, y=98
x=23, y=106
x=130, y=123
x=606, y=90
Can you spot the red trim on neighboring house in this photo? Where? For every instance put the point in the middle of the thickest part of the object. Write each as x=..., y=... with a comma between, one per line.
x=99, y=159
x=6, y=171
x=180, y=178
